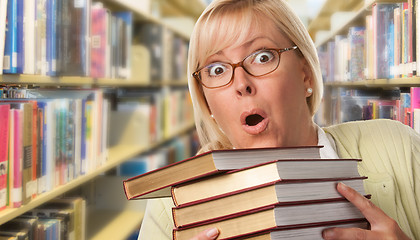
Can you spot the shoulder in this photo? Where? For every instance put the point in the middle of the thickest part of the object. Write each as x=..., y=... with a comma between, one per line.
x=378, y=128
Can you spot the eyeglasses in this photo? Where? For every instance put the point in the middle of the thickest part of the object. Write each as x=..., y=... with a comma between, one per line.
x=256, y=64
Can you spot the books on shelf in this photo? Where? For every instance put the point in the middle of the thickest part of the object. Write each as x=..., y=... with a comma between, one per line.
x=157, y=183
x=55, y=136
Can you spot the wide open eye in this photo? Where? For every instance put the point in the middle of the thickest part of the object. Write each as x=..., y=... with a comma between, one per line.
x=216, y=69
x=263, y=57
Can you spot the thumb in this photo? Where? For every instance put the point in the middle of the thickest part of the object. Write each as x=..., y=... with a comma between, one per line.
x=208, y=234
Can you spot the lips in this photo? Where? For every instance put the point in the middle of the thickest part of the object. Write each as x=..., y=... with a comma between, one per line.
x=254, y=121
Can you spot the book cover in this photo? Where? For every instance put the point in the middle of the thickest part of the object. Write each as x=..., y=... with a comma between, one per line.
x=4, y=150
x=248, y=177
x=10, y=46
x=276, y=217
x=157, y=183
x=3, y=17
x=280, y=192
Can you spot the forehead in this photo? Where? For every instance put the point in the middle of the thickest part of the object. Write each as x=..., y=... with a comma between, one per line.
x=236, y=29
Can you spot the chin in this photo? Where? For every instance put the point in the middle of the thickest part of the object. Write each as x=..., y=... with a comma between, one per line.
x=260, y=144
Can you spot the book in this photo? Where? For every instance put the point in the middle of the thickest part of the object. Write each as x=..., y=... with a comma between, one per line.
x=22, y=224
x=302, y=233
x=4, y=150
x=280, y=192
x=15, y=158
x=278, y=170
x=158, y=183
x=10, y=46
x=3, y=16
x=275, y=217
x=26, y=145
x=100, y=53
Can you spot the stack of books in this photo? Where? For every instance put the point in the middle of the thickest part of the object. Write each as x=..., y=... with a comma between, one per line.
x=266, y=193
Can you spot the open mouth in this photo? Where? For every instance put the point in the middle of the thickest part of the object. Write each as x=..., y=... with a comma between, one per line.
x=253, y=119
x=254, y=122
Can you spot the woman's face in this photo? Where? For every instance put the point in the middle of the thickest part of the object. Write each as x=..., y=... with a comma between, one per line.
x=266, y=111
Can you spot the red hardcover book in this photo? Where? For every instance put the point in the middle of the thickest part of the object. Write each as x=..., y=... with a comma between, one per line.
x=157, y=183
x=280, y=192
x=303, y=233
x=275, y=217
x=4, y=149
x=279, y=170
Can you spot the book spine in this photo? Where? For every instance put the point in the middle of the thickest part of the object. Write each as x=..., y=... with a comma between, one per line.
x=29, y=36
x=4, y=146
x=17, y=158
x=10, y=47
x=3, y=14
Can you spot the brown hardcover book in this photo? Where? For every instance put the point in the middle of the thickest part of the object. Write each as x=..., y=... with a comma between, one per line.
x=275, y=217
x=158, y=183
x=286, y=169
x=280, y=192
x=303, y=233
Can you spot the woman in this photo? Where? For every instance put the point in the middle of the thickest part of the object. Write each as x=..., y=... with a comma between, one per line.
x=255, y=81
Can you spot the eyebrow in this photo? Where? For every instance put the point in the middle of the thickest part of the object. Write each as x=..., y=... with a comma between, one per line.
x=249, y=43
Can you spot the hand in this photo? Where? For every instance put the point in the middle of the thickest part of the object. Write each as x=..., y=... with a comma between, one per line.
x=208, y=234
x=382, y=226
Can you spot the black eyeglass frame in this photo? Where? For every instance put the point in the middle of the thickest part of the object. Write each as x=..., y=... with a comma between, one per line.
x=197, y=77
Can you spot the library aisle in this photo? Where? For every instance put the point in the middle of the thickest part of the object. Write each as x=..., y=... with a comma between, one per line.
x=95, y=92
x=91, y=93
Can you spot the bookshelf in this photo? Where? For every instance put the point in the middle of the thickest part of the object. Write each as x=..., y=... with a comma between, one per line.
x=355, y=14
x=116, y=155
x=102, y=224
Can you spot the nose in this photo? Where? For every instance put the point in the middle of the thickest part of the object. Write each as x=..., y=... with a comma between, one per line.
x=243, y=82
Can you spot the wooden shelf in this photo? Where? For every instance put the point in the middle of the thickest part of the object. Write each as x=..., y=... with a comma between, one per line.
x=40, y=80
x=116, y=156
x=190, y=8
x=383, y=83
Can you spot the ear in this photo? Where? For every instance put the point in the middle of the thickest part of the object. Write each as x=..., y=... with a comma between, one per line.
x=307, y=76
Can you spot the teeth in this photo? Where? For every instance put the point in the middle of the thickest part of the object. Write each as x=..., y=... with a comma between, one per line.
x=254, y=119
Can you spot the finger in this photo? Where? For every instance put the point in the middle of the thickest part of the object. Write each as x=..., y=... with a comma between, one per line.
x=346, y=233
x=208, y=234
x=371, y=212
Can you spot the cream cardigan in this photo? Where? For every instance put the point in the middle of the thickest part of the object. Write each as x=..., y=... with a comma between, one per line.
x=391, y=160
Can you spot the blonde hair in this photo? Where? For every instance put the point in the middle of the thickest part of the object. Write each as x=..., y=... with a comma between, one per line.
x=217, y=28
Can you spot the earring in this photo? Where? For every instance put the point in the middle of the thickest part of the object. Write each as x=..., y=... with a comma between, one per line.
x=212, y=116
x=309, y=90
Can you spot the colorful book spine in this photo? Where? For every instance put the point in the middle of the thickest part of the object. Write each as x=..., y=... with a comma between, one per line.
x=415, y=102
x=99, y=42
x=4, y=147
x=10, y=47
x=51, y=37
x=20, y=50
x=3, y=13
x=16, y=191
